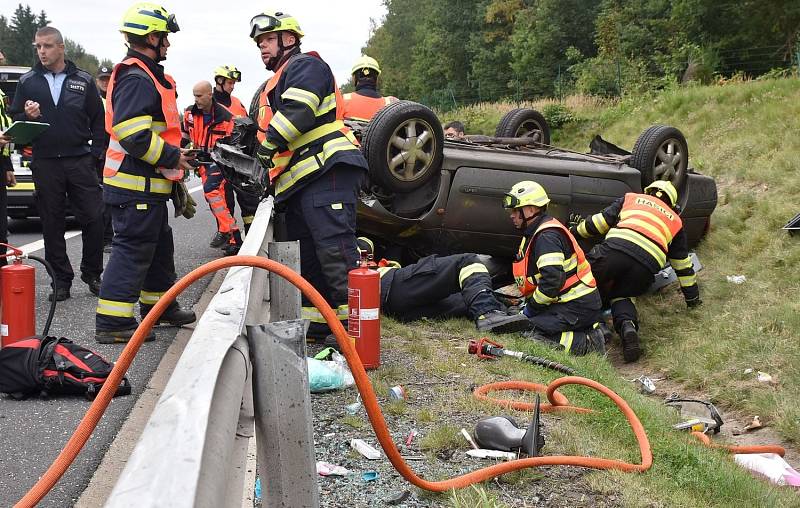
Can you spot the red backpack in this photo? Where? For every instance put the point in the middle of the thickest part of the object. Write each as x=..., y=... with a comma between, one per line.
x=53, y=366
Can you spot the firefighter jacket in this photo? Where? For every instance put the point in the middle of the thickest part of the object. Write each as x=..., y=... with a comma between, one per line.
x=306, y=128
x=647, y=229
x=5, y=123
x=362, y=104
x=559, y=272
x=143, y=122
x=230, y=103
x=201, y=136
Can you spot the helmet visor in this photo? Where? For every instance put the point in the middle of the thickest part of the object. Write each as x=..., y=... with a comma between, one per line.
x=263, y=23
x=510, y=201
x=172, y=24
x=235, y=75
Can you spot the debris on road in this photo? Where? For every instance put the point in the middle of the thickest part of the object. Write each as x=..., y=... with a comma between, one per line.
x=755, y=424
x=737, y=279
x=365, y=449
x=328, y=469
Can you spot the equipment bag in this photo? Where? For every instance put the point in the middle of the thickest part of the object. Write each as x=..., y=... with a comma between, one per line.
x=53, y=366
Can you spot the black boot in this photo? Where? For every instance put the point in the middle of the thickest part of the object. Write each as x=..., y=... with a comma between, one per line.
x=219, y=240
x=497, y=321
x=235, y=243
x=174, y=316
x=629, y=336
x=120, y=336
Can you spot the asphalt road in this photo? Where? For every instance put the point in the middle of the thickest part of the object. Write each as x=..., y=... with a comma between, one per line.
x=33, y=431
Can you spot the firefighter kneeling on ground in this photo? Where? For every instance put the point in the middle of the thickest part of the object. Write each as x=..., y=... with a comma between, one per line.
x=442, y=287
x=366, y=100
x=642, y=232
x=553, y=275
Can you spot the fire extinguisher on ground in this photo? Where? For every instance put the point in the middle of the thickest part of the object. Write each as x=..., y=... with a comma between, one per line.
x=363, y=321
x=17, y=291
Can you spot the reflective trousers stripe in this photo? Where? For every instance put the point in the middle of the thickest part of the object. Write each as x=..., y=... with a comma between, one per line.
x=114, y=308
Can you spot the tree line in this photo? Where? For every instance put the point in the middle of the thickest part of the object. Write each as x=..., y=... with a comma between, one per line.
x=437, y=51
x=16, y=38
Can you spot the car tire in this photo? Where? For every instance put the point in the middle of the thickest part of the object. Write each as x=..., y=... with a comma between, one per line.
x=524, y=123
x=253, y=111
x=403, y=145
x=661, y=153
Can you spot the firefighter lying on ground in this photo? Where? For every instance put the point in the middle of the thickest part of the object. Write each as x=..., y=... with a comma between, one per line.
x=553, y=275
x=642, y=232
x=362, y=104
x=443, y=287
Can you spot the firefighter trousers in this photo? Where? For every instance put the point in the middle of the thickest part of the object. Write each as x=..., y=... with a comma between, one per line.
x=568, y=323
x=141, y=266
x=322, y=216
x=620, y=278
x=214, y=192
x=439, y=287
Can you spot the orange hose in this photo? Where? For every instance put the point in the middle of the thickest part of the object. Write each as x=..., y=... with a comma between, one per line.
x=104, y=396
x=740, y=449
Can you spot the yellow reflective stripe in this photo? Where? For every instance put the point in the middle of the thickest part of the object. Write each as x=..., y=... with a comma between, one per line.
x=337, y=145
x=269, y=145
x=138, y=183
x=284, y=127
x=22, y=186
x=155, y=149
x=550, y=259
x=342, y=311
x=681, y=264
x=469, y=271
x=542, y=298
x=600, y=223
x=641, y=241
x=688, y=280
x=311, y=164
x=114, y=308
x=383, y=270
x=316, y=133
x=131, y=126
x=586, y=277
x=311, y=314
x=638, y=217
x=248, y=219
x=571, y=263
x=566, y=340
x=150, y=297
x=615, y=300
x=582, y=229
x=159, y=126
x=310, y=99
x=328, y=103
x=576, y=292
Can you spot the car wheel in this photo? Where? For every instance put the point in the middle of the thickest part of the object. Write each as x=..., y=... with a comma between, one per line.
x=524, y=123
x=661, y=153
x=253, y=111
x=403, y=145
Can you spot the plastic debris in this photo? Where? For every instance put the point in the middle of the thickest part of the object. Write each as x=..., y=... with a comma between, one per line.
x=482, y=453
x=748, y=371
x=328, y=469
x=413, y=457
x=398, y=497
x=411, y=436
x=369, y=476
x=763, y=377
x=353, y=408
x=755, y=424
x=397, y=393
x=324, y=376
x=468, y=437
x=770, y=465
x=646, y=385
x=736, y=279
x=257, y=492
x=365, y=449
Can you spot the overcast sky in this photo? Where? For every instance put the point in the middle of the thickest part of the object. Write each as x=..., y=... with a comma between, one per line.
x=215, y=32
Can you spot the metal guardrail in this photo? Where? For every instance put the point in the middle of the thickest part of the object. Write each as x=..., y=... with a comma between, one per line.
x=193, y=450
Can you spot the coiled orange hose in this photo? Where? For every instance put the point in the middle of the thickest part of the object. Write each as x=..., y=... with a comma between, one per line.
x=104, y=396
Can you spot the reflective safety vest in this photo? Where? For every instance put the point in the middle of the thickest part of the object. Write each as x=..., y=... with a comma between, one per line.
x=579, y=281
x=202, y=136
x=169, y=131
x=281, y=160
x=649, y=223
x=236, y=108
x=5, y=123
x=363, y=108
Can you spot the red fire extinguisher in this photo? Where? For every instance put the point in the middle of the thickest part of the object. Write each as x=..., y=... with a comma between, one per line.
x=363, y=321
x=17, y=290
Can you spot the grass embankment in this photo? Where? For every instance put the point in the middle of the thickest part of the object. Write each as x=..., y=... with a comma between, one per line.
x=747, y=136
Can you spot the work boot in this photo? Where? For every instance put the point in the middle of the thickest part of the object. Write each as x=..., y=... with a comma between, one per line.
x=120, y=336
x=606, y=331
x=219, y=240
x=234, y=244
x=61, y=294
x=174, y=316
x=596, y=340
x=497, y=321
x=93, y=281
x=629, y=336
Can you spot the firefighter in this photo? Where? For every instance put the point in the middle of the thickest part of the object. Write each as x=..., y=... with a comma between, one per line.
x=642, y=232
x=101, y=79
x=443, y=287
x=142, y=160
x=553, y=275
x=315, y=166
x=204, y=123
x=366, y=100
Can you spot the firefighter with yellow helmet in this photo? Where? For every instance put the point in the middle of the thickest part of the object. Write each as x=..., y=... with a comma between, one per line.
x=366, y=100
x=553, y=275
x=643, y=232
x=225, y=79
x=144, y=167
x=315, y=165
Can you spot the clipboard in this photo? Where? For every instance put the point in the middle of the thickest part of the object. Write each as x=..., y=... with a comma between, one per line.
x=23, y=133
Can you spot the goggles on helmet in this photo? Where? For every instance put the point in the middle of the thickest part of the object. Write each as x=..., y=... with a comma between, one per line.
x=172, y=24
x=510, y=201
x=263, y=23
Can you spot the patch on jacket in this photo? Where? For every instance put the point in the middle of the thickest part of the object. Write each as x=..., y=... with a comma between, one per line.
x=76, y=86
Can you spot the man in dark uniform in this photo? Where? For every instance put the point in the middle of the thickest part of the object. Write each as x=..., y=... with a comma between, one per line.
x=553, y=275
x=642, y=232
x=314, y=164
x=144, y=165
x=55, y=91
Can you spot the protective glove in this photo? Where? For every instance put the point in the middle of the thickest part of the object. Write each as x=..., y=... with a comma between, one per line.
x=574, y=220
x=694, y=302
x=191, y=204
x=183, y=202
x=264, y=155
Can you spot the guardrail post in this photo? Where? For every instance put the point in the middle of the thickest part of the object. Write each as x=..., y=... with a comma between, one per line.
x=284, y=433
x=284, y=297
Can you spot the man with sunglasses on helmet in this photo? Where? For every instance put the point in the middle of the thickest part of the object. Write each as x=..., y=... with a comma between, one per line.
x=144, y=166
x=314, y=162
x=225, y=79
x=553, y=275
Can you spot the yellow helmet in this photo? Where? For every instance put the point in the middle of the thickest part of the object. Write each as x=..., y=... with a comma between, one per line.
x=228, y=72
x=661, y=189
x=273, y=22
x=143, y=18
x=525, y=193
x=366, y=62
